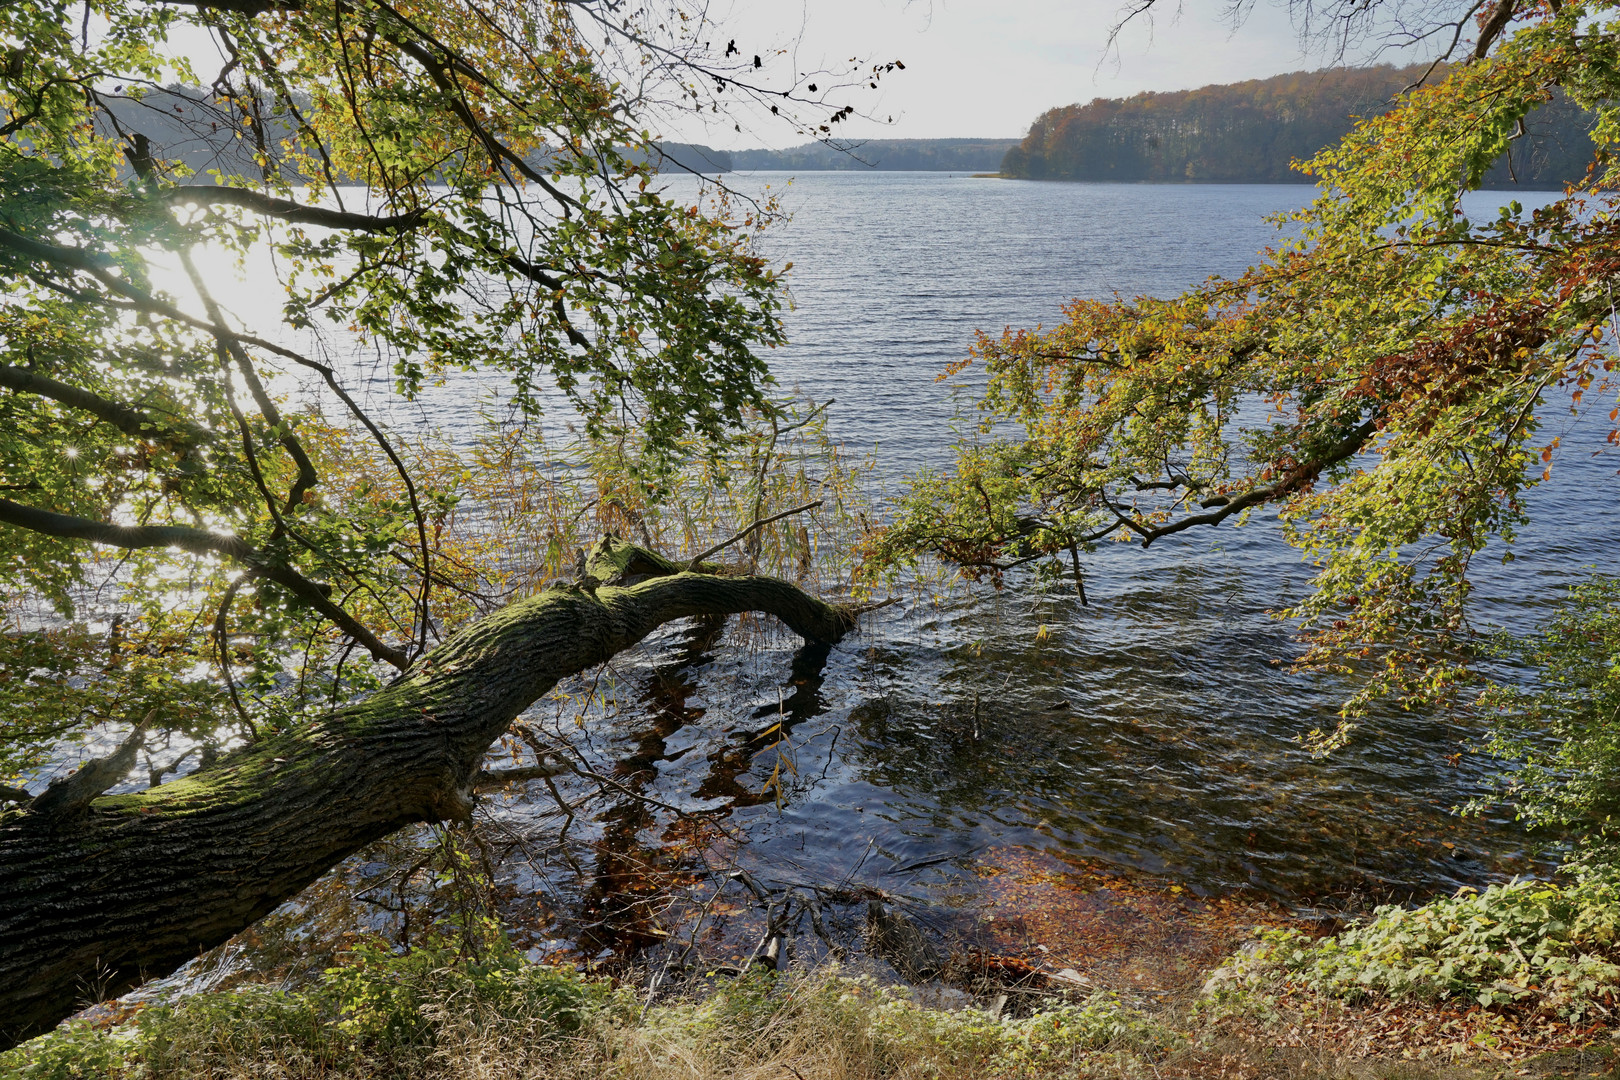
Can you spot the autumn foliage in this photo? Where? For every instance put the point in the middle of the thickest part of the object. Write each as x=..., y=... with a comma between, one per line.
x=1383, y=381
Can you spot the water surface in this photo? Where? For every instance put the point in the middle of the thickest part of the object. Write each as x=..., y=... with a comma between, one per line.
x=1156, y=729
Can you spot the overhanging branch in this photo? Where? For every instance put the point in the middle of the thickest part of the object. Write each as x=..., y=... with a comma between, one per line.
x=1302, y=474
x=198, y=542
x=129, y=420
x=289, y=211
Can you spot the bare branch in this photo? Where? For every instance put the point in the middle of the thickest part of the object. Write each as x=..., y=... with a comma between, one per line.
x=695, y=561
x=71, y=794
x=1495, y=23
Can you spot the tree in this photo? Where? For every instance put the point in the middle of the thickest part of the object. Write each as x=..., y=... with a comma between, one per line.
x=1382, y=382
x=455, y=186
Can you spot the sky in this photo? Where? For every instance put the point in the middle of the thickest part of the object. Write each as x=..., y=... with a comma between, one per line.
x=988, y=68
x=973, y=68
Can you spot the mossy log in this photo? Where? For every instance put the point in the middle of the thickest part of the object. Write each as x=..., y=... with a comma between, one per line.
x=125, y=888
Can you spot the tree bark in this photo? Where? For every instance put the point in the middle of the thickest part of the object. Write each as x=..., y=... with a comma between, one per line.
x=95, y=901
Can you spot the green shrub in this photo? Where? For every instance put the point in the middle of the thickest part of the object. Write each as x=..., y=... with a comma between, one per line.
x=74, y=1051
x=1530, y=943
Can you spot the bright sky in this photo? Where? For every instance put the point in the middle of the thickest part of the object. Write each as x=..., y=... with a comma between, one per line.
x=975, y=68
x=987, y=68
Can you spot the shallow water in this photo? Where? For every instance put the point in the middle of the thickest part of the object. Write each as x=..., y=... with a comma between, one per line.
x=1154, y=730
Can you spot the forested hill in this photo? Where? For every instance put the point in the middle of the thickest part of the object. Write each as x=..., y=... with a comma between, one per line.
x=181, y=120
x=179, y=126
x=1249, y=132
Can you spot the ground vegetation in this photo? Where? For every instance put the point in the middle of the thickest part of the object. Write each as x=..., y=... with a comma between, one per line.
x=463, y=1003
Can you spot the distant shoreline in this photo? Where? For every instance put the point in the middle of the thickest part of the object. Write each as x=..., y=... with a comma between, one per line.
x=1092, y=183
x=872, y=155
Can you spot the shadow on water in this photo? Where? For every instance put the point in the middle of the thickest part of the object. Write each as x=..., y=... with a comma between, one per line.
x=1155, y=732
x=643, y=854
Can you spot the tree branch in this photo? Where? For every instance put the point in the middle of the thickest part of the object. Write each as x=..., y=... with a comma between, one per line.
x=494, y=778
x=1300, y=475
x=126, y=419
x=1495, y=23
x=250, y=8
x=146, y=880
x=289, y=211
x=198, y=542
x=71, y=794
x=697, y=560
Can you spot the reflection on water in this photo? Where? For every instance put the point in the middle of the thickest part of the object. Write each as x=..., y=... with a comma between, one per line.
x=1156, y=729
x=1165, y=745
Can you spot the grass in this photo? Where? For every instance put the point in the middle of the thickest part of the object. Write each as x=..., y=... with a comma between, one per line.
x=1515, y=981
x=429, y=1014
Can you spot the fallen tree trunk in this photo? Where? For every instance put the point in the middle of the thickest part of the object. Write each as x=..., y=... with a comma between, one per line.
x=101, y=897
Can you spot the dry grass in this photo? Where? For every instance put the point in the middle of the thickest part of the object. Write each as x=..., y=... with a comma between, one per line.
x=410, y=1020
x=440, y=1012
x=413, y=1020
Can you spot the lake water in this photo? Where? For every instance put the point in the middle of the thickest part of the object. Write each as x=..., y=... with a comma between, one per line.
x=1154, y=730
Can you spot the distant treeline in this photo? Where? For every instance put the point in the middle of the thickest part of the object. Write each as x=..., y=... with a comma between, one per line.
x=885, y=155
x=1248, y=132
x=888, y=155
x=179, y=119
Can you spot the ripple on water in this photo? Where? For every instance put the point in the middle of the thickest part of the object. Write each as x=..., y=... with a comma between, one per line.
x=1156, y=729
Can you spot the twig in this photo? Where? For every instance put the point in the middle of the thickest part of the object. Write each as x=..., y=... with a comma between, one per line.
x=697, y=560
x=222, y=642
x=648, y=799
x=856, y=868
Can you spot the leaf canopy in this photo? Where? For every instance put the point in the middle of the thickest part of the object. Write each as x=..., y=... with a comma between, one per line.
x=453, y=187
x=1382, y=380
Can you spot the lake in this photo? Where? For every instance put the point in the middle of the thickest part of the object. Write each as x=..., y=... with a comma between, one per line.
x=1155, y=730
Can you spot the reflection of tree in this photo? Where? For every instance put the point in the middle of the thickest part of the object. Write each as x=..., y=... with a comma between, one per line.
x=727, y=765
x=632, y=874
x=619, y=903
